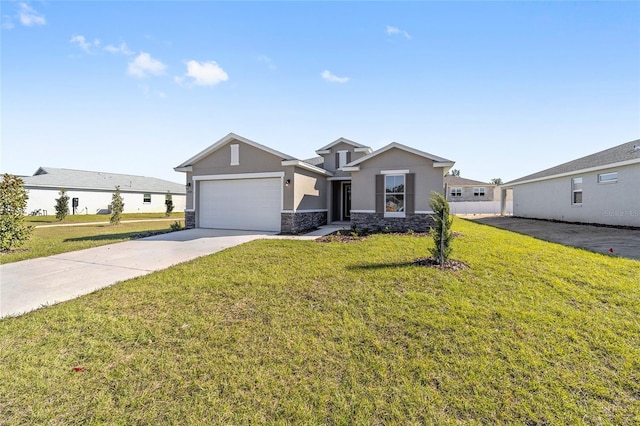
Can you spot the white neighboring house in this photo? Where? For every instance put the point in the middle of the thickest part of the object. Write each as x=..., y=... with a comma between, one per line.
x=468, y=196
x=93, y=191
x=601, y=188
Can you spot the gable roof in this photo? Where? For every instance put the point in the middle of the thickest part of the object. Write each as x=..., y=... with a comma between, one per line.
x=51, y=177
x=438, y=161
x=457, y=180
x=626, y=153
x=326, y=148
x=222, y=142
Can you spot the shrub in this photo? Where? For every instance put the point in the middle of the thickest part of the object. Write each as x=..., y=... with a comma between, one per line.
x=442, y=235
x=62, y=205
x=117, y=206
x=176, y=226
x=13, y=202
x=168, y=202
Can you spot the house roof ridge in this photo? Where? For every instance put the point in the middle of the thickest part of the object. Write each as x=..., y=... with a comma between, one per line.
x=616, y=154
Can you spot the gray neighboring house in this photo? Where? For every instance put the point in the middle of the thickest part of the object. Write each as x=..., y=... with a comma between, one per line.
x=93, y=191
x=601, y=188
x=237, y=183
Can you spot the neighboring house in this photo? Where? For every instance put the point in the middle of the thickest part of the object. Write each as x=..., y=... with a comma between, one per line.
x=601, y=188
x=468, y=196
x=92, y=191
x=239, y=184
x=462, y=189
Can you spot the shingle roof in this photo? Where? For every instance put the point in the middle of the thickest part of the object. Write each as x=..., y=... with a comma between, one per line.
x=457, y=180
x=51, y=177
x=617, y=154
x=315, y=161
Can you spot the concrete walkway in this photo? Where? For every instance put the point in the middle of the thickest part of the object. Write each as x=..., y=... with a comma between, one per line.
x=600, y=239
x=34, y=283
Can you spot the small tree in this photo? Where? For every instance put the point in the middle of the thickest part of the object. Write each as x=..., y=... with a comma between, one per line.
x=496, y=181
x=62, y=205
x=13, y=202
x=117, y=206
x=168, y=201
x=455, y=172
x=442, y=235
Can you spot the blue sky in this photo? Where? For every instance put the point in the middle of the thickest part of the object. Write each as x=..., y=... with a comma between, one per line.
x=503, y=88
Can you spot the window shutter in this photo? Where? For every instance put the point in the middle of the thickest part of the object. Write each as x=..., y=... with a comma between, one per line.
x=410, y=193
x=337, y=160
x=348, y=157
x=379, y=193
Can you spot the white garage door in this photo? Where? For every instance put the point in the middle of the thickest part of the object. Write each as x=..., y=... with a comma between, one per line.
x=252, y=204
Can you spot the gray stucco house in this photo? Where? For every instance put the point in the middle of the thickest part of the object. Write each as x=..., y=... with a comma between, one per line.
x=237, y=183
x=601, y=188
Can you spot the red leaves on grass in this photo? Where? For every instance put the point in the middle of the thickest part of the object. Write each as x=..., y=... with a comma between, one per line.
x=78, y=369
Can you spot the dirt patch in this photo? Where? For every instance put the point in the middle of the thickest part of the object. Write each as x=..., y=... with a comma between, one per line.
x=449, y=265
x=347, y=237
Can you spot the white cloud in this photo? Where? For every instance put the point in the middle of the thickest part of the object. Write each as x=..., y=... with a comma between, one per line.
x=204, y=73
x=267, y=61
x=397, y=31
x=122, y=49
x=144, y=65
x=83, y=43
x=330, y=77
x=28, y=16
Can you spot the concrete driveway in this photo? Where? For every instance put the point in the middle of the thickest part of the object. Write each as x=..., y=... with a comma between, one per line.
x=34, y=283
x=599, y=239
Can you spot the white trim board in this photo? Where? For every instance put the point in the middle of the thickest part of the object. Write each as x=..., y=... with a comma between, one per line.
x=260, y=175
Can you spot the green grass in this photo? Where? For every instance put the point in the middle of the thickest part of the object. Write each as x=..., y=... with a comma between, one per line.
x=297, y=332
x=90, y=218
x=61, y=239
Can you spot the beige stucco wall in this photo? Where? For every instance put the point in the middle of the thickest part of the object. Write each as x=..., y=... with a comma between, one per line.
x=309, y=190
x=428, y=178
x=604, y=203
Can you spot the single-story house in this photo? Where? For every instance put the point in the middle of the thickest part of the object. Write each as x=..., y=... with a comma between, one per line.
x=601, y=188
x=237, y=183
x=90, y=192
x=468, y=196
x=462, y=189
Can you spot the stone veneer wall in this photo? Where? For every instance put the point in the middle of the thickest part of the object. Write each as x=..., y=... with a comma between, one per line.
x=377, y=222
x=189, y=219
x=293, y=223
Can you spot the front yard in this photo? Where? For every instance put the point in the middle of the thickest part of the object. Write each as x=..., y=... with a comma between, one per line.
x=297, y=332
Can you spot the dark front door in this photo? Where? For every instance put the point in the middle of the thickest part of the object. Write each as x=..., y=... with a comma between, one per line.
x=346, y=201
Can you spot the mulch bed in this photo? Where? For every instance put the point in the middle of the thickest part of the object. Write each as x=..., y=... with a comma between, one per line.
x=346, y=237
x=449, y=265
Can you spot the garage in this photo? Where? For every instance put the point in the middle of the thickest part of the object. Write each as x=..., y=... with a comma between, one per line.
x=247, y=204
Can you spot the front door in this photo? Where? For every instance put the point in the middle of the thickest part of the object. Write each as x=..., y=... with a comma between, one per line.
x=346, y=201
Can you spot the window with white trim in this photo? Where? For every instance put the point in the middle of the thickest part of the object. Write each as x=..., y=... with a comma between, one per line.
x=610, y=177
x=576, y=191
x=478, y=191
x=146, y=198
x=456, y=192
x=235, y=154
x=394, y=195
x=342, y=158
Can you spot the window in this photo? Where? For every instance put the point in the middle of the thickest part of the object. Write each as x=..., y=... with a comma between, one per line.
x=342, y=158
x=235, y=154
x=146, y=198
x=394, y=195
x=456, y=192
x=576, y=191
x=608, y=177
x=478, y=192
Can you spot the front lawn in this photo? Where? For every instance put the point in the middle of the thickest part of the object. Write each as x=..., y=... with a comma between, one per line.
x=61, y=239
x=302, y=332
x=90, y=218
